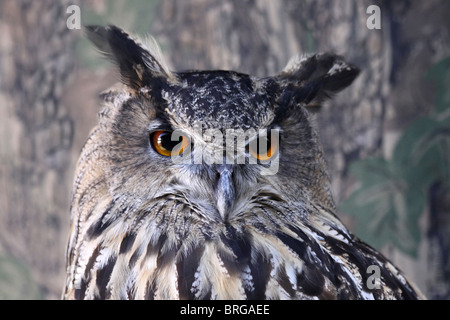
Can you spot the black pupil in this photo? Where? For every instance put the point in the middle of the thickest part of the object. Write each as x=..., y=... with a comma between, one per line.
x=165, y=140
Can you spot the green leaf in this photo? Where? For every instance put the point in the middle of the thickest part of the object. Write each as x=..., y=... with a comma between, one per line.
x=407, y=151
x=376, y=202
x=387, y=205
x=392, y=194
x=371, y=171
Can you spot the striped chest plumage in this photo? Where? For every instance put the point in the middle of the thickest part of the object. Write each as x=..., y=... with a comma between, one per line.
x=167, y=251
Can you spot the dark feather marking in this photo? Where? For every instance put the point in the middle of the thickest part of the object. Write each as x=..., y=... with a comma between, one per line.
x=80, y=293
x=131, y=293
x=166, y=255
x=99, y=226
x=239, y=245
x=311, y=281
x=103, y=277
x=260, y=269
x=150, y=291
x=154, y=248
x=127, y=243
x=327, y=295
x=299, y=247
x=134, y=257
x=229, y=262
x=186, y=269
x=207, y=295
x=285, y=283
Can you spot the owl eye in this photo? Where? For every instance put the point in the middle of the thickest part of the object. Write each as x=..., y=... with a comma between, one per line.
x=163, y=144
x=264, y=148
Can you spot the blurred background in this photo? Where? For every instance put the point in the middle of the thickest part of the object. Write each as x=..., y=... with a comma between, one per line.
x=386, y=138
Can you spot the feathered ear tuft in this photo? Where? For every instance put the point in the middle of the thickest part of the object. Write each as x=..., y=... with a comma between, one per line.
x=310, y=80
x=139, y=65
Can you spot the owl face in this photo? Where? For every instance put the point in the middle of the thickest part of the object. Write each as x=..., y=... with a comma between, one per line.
x=213, y=158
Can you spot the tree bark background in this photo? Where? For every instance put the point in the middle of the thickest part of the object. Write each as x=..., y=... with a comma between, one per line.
x=36, y=62
x=48, y=100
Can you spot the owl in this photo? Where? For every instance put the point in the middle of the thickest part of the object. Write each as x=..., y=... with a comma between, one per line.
x=213, y=185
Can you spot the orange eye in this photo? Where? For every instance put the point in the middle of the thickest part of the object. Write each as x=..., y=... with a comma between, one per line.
x=263, y=148
x=165, y=145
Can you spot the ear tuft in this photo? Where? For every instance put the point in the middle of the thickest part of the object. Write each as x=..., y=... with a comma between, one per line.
x=310, y=80
x=138, y=64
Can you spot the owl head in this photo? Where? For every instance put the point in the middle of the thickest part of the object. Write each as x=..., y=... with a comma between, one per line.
x=218, y=140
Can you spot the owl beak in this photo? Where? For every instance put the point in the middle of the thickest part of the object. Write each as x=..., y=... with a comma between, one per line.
x=225, y=191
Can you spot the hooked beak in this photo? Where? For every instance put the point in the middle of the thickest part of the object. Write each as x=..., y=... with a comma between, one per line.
x=225, y=190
